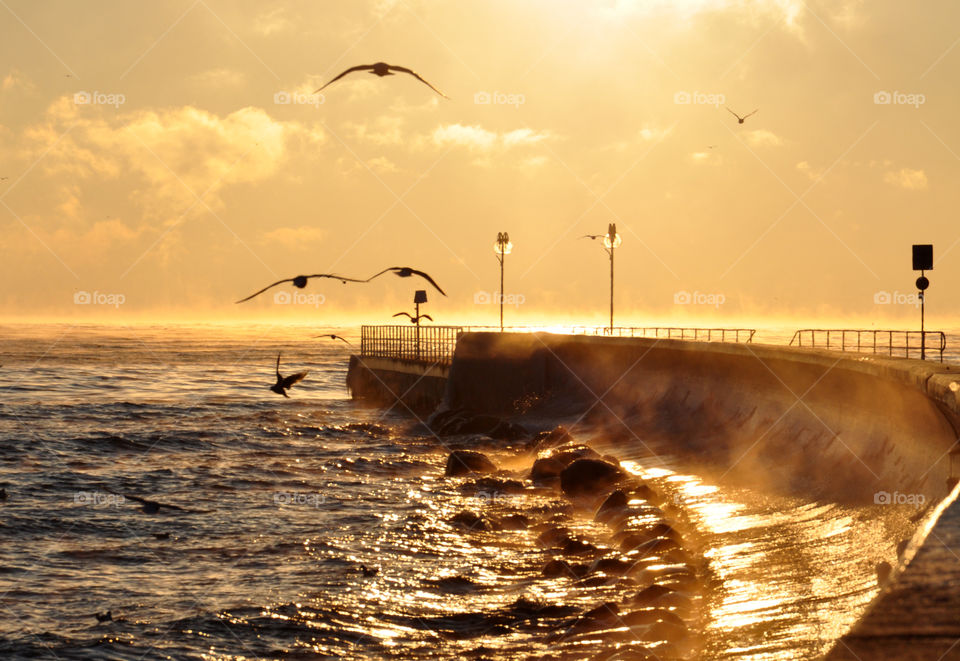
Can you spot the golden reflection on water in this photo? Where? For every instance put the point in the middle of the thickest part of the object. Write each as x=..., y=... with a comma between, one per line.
x=790, y=577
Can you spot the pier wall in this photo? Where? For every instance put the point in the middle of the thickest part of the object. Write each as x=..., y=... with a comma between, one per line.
x=409, y=385
x=842, y=427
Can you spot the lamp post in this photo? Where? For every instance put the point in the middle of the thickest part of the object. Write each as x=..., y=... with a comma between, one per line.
x=419, y=296
x=502, y=248
x=611, y=241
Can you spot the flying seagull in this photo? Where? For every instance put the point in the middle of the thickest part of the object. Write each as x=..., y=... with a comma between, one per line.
x=300, y=282
x=334, y=337
x=593, y=236
x=739, y=118
x=383, y=69
x=413, y=319
x=283, y=384
x=406, y=272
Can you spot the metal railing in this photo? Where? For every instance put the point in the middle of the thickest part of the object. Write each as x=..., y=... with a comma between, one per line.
x=428, y=344
x=891, y=342
x=436, y=344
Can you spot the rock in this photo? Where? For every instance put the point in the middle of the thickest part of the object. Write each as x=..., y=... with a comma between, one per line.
x=489, y=487
x=567, y=454
x=546, y=470
x=615, y=501
x=651, y=595
x=468, y=520
x=515, y=522
x=467, y=462
x=554, y=536
x=550, y=439
x=611, y=566
x=577, y=546
x=461, y=421
x=635, y=539
x=589, y=477
x=654, y=546
x=562, y=568
x=603, y=613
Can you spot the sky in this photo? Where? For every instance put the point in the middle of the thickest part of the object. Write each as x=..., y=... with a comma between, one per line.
x=163, y=160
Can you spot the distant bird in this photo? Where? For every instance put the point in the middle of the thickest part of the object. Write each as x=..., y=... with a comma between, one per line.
x=413, y=319
x=593, y=236
x=152, y=506
x=104, y=617
x=711, y=146
x=383, y=69
x=739, y=118
x=406, y=272
x=333, y=337
x=300, y=282
x=368, y=571
x=283, y=384
x=4, y=178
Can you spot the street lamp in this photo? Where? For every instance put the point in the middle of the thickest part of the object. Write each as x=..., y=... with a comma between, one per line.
x=611, y=240
x=502, y=248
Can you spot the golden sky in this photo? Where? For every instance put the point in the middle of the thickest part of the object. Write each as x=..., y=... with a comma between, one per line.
x=169, y=158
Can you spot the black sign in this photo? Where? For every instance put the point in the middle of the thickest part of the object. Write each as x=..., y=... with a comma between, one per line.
x=922, y=257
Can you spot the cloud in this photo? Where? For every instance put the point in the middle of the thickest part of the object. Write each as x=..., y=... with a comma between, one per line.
x=271, y=22
x=15, y=80
x=763, y=138
x=384, y=130
x=166, y=157
x=294, y=238
x=478, y=139
x=382, y=164
x=907, y=179
x=221, y=77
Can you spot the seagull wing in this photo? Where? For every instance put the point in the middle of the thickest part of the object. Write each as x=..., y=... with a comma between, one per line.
x=293, y=378
x=278, y=367
x=147, y=501
x=592, y=236
x=752, y=113
x=418, y=77
x=428, y=279
x=401, y=314
x=733, y=113
x=359, y=67
x=334, y=276
x=426, y=316
x=278, y=282
x=392, y=268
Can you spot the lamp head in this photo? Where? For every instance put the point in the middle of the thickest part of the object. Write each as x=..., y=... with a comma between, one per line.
x=420, y=296
x=503, y=245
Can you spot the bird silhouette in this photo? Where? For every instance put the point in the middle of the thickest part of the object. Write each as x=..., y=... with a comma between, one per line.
x=283, y=384
x=739, y=118
x=406, y=272
x=151, y=506
x=4, y=178
x=333, y=337
x=368, y=571
x=383, y=69
x=593, y=236
x=300, y=282
x=413, y=319
x=104, y=617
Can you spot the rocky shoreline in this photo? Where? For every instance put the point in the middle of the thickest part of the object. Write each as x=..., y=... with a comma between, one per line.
x=603, y=534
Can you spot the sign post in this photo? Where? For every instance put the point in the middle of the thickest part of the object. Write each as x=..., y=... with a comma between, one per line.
x=922, y=261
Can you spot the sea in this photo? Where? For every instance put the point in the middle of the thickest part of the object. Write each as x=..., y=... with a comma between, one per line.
x=313, y=527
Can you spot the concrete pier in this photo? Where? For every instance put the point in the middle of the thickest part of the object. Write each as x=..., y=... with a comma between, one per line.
x=414, y=385
x=828, y=425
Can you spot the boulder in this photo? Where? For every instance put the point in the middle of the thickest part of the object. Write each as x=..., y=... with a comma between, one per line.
x=546, y=470
x=468, y=520
x=589, y=477
x=468, y=462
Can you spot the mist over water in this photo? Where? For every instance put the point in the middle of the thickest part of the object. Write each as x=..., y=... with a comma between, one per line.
x=288, y=497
